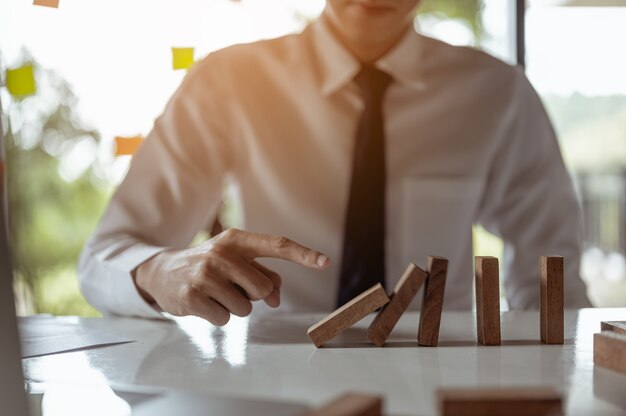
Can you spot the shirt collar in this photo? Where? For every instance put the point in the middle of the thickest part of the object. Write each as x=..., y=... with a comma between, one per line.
x=338, y=66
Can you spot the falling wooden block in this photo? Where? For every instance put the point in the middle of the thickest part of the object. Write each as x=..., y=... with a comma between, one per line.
x=497, y=401
x=551, y=308
x=352, y=404
x=404, y=292
x=615, y=326
x=127, y=145
x=47, y=3
x=487, y=300
x=349, y=314
x=609, y=351
x=432, y=302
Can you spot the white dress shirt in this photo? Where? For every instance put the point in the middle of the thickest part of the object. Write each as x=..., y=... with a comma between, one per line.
x=468, y=141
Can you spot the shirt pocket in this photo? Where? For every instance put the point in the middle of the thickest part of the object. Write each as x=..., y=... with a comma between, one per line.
x=438, y=214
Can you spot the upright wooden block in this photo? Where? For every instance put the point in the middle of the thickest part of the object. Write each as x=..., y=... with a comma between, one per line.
x=615, y=326
x=404, y=292
x=609, y=351
x=487, y=300
x=551, y=308
x=352, y=404
x=493, y=401
x=432, y=302
x=349, y=314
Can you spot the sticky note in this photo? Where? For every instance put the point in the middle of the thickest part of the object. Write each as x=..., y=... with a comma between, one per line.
x=47, y=3
x=21, y=81
x=127, y=145
x=182, y=58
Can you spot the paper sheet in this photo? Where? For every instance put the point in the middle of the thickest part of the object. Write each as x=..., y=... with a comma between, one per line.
x=21, y=81
x=47, y=3
x=127, y=145
x=182, y=58
x=45, y=336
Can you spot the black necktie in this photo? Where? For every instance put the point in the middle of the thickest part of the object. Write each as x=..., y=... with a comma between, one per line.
x=363, y=262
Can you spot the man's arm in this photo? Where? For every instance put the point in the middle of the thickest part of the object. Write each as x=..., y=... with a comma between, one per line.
x=530, y=202
x=137, y=261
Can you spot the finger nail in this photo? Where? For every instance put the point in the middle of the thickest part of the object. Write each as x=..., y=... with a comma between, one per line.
x=321, y=260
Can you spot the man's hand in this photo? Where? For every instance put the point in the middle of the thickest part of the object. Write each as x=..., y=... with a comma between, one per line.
x=220, y=276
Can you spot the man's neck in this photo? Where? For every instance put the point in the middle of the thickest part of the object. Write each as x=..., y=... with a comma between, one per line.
x=366, y=51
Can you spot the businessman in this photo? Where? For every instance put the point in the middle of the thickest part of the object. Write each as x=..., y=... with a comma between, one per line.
x=356, y=147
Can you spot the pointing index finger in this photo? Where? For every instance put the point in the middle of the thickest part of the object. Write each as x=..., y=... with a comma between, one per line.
x=260, y=245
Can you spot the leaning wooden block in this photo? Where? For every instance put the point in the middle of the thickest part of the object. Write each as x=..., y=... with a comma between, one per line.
x=352, y=404
x=47, y=3
x=349, y=314
x=609, y=351
x=497, y=401
x=551, y=308
x=432, y=302
x=487, y=300
x=404, y=292
x=615, y=326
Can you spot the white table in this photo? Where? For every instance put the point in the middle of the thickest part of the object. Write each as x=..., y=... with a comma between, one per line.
x=272, y=358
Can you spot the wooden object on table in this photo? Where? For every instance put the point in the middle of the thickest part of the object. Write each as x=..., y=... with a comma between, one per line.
x=352, y=404
x=551, y=308
x=432, y=302
x=609, y=351
x=615, y=326
x=537, y=401
x=349, y=314
x=404, y=292
x=487, y=301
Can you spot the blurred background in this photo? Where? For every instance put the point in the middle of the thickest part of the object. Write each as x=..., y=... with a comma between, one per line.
x=103, y=68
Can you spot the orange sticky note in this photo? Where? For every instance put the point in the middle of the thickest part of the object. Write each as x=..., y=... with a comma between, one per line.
x=182, y=58
x=127, y=145
x=21, y=81
x=47, y=3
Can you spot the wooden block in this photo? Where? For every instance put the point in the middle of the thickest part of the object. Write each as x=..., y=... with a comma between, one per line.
x=352, y=404
x=496, y=401
x=609, y=351
x=47, y=3
x=349, y=314
x=615, y=326
x=551, y=309
x=404, y=292
x=432, y=302
x=487, y=300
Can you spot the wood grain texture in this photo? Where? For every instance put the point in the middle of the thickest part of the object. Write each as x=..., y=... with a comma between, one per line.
x=432, y=302
x=615, y=326
x=352, y=404
x=349, y=314
x=404, y=292
x=551, y=309
x=495, y=401
x=487, y=301
x=609, y=351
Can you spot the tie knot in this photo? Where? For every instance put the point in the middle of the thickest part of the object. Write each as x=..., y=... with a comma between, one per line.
x=372, y=81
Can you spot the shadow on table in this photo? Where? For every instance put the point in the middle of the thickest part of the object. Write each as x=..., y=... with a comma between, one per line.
x=609, y=386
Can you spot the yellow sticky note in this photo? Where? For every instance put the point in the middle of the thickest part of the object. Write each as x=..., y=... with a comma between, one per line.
x=127, y=145
x=47, y=3
x=21, y=81
x=182, y=58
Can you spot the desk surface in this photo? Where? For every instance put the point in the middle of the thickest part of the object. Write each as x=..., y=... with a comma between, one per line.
x=272, y=358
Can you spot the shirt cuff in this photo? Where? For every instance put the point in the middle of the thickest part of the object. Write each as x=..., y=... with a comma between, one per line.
x=129, y=301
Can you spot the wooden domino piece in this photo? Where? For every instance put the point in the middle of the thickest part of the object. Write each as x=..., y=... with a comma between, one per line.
x=432, y=302
x=352, y=404
x=551, y=308
x=609, y=351
x=404, y=292
x=496, y=401
x=349, y=314
x=487, y=301
x=47, y=3
x=615, y=326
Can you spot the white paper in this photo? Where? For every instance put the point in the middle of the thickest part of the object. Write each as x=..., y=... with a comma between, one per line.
x=44, y=336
